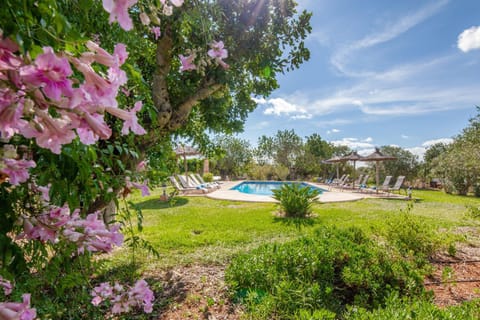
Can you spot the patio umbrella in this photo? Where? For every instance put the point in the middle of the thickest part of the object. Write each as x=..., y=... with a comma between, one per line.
x=335, y=160
x=354, y=156
x=377, y=156
x=185, y=151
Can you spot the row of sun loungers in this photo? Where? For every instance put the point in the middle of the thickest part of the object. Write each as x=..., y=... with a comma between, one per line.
x=360, y=184
x=192, y=184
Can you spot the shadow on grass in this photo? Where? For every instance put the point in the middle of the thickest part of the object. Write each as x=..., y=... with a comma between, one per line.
x=159, y=204
x=297, y=222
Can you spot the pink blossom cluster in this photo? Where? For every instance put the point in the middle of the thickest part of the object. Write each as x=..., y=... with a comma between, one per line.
x=29, y=89
x=58, y=223
x=217, y=52
x=18, y=310
x=118, y=11
x=15, y=310
x=16, y=170
x=143, y=187
x=123, y=300
x=6, y=285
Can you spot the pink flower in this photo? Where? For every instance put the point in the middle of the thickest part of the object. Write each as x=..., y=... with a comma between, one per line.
x=142, y=187
x=95, y=90
x=118, y=10
x=177, y=3
x=11, y=113
x=138, y=295
x=187, y=62
x=45, y=190
x=97, y=125
x=7, y=286
x=17, y=170
x=53, y=132
x=101, y=56
x=141, y=166
x=130, y=118
x=16, y=310
x=50, y=72
x=217, y=50
x=8, y=60
x=156, y=32
x=144, y=19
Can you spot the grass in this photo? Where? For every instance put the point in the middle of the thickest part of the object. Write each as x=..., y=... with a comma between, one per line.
x=207, y=231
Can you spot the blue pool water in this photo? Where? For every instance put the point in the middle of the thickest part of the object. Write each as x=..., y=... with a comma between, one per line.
x=264, y=188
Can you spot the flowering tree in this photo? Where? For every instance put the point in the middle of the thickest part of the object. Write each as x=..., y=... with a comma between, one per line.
x=86, y=89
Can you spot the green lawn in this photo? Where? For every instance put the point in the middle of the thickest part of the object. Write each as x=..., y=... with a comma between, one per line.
x=202, y=230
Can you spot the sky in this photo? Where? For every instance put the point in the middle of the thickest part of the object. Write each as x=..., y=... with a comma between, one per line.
x=403, y=73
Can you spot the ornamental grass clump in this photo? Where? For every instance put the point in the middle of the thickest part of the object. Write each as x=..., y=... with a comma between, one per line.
x=295, y=199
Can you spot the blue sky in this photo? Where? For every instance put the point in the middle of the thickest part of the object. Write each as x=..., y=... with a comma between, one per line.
x=380, y=73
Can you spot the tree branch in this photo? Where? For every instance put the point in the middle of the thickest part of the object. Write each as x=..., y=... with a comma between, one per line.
x=160, y=89
x=180, y=114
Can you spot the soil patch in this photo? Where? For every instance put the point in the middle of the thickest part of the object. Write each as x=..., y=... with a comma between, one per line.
x=456, y=279
x=196, y=292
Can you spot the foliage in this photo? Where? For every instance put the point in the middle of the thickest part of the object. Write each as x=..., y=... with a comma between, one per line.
x=406, y=163
x=285, y=148
x=260, y=172
x=295, y=199
x=412, y=235
x=403, y=308
x=328, y=270
x=458, y=165
x=208, y=177
x=280, y=172
x=235, y=157
x=316, y=150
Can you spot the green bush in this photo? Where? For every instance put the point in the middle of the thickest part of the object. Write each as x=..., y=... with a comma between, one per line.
x=400, y=309
x=280, y=172
x=412, y=235
x=325, y=271
x=208, y=177
x=295, y=200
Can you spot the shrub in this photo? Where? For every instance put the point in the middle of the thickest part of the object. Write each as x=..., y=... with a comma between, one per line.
x=412, y=236
x=280, y=172
x=318, y=274
x=260, y=172
x=208, y=177
x=400, y=309
x=295, y=200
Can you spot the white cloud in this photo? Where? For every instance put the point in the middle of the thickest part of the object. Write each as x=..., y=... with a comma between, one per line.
x=354, y=143
x=418, y=151
x=404, y=136
x=469, y=39
x=259, y=100
x=280, y=107
x=333, y=131
x=341, y=57
x=430, y=143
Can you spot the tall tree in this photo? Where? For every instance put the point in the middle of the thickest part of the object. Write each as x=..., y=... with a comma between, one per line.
x=235, y=157
x=406, y=163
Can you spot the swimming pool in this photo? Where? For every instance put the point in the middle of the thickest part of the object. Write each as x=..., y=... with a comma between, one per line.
x=264, y=188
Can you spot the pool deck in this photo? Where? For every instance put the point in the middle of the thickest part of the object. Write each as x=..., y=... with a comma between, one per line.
x=332, y=195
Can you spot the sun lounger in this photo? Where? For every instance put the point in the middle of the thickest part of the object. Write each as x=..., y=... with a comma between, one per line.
x=186, y=190
x=200, y=179
x=384, y=187
x=204, y=184
x=398, y=184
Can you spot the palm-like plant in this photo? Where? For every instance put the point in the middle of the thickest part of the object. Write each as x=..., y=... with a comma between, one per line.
x=295, y=200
